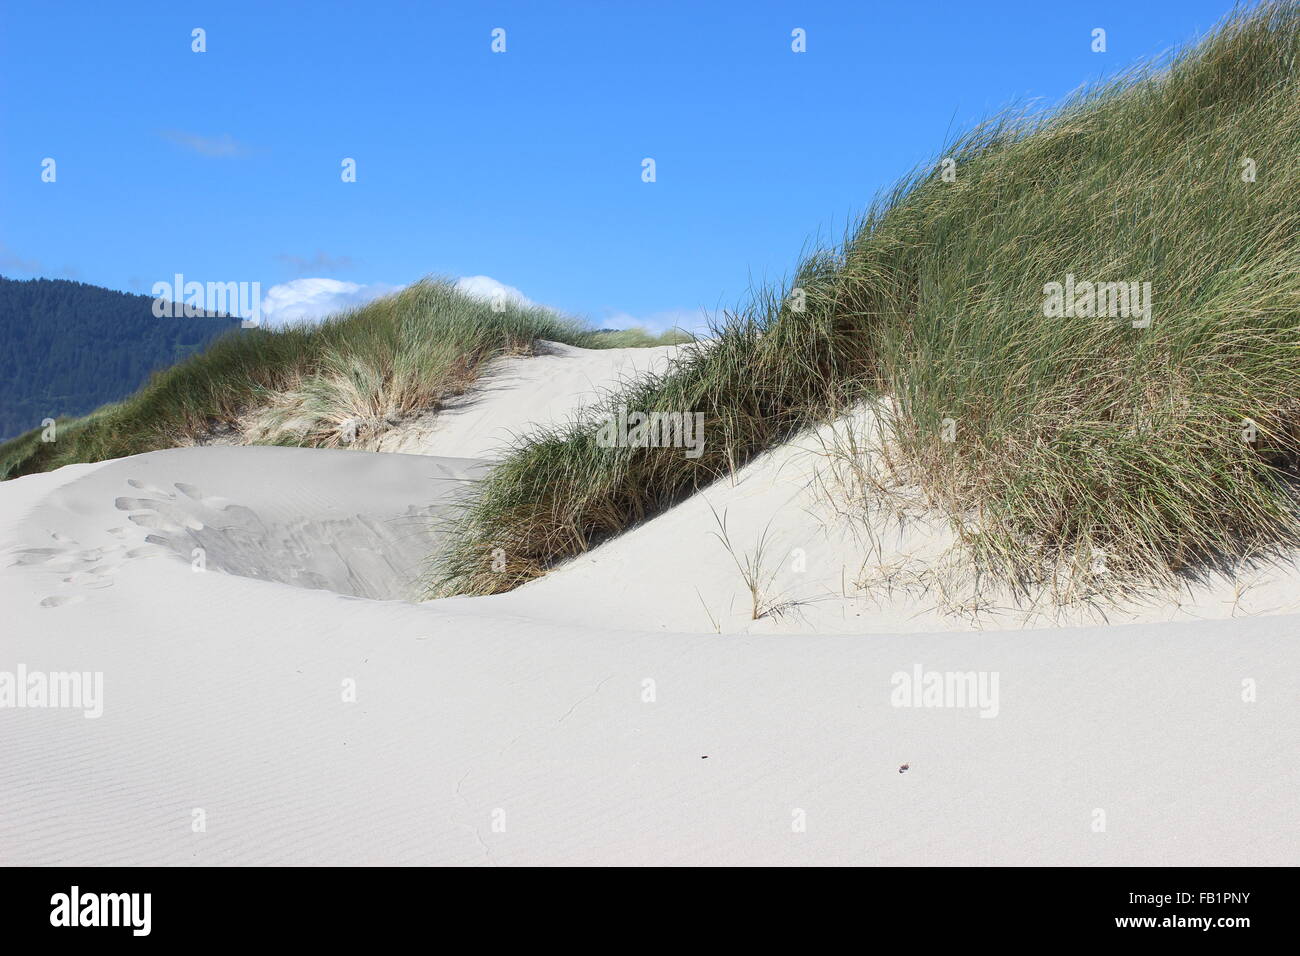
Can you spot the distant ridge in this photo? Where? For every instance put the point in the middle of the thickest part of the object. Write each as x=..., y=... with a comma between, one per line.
x=69, y=347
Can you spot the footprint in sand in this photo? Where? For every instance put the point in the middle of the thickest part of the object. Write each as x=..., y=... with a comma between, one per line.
x=190, y=491
x=30, y=556
x=152, y=548
x=349, y=554
x=172, y=515
x=100, y=576
x=63, y=560
x=158, y=522
x=149, y=489
x=82, y=569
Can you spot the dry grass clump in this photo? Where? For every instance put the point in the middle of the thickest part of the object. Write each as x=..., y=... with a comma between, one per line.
x=337, y=383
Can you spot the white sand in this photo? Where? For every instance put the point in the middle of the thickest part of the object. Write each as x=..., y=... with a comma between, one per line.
x=520, y=729
x=519, y=393
x=820, y=573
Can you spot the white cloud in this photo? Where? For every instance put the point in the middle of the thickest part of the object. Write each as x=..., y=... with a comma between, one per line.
x=692, y=320
x=488, y=288
x=314, y=299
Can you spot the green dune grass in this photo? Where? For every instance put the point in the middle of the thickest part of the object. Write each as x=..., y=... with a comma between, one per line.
x=336, y=383
x=1051, y=437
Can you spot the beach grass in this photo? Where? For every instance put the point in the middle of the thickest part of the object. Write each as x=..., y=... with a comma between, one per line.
x=1126, y=440
x=336, y=383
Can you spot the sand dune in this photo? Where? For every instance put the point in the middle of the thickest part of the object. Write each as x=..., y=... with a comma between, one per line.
x=277, y=697
x=520, y=392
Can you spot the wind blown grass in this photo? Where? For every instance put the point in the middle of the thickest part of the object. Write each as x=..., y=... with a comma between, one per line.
x=1057, y=445
x=334, y=384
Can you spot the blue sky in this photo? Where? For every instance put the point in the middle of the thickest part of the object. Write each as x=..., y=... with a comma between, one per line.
x=524, y=166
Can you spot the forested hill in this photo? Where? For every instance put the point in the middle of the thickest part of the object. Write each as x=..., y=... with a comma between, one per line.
x=68, y=347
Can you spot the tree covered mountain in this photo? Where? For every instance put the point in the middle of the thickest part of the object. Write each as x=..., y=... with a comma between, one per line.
x=68, y=347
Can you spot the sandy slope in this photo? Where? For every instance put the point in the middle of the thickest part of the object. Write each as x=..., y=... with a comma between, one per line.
x=520, y=392
x=589, y=717
x=820, y=572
